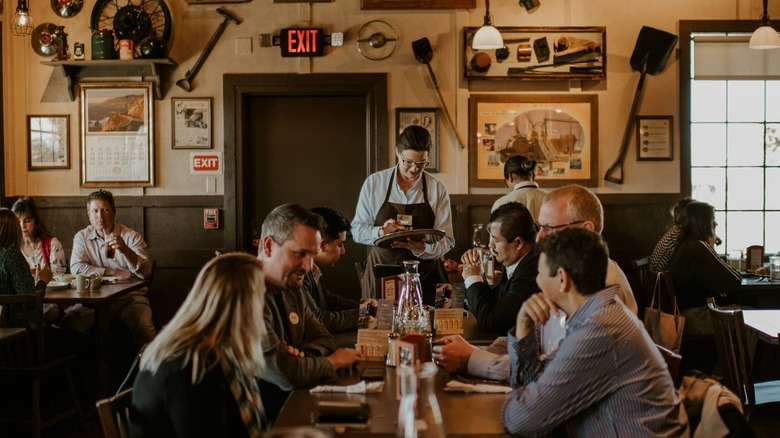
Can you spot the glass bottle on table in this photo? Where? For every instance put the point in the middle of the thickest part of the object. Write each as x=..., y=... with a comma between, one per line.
x=411, y=315
x=419, y=414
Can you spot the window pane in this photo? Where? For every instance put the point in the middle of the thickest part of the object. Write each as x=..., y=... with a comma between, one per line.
x=746, y=101
x=773, y=145
x=773, y=104
x=708, y=101
x=772, y=244
x=744, y=229
x=709, y=185
x=746, y=188
x=708, y=144
x=773, y=188
x=746, y=144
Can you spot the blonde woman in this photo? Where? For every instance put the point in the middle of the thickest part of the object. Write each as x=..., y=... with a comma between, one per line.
x=197, y=378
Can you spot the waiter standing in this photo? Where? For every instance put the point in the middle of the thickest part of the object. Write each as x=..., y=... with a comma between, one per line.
x=405, y=197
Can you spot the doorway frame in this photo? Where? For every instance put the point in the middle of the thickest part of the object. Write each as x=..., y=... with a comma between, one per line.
x=237, y=88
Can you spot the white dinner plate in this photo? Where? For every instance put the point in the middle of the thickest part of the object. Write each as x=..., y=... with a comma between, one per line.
x=57, y=285
x=109, y=280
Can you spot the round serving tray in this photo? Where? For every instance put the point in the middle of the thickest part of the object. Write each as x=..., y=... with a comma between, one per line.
x=427, y=235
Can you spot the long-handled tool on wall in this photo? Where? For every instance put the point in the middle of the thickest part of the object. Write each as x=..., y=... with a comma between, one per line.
x=186, y=83
x=651, y=53
x=423, y=52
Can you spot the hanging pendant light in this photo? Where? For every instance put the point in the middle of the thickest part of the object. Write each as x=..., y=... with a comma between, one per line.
x=22, y=22
x=487, y=37
x=765, y=37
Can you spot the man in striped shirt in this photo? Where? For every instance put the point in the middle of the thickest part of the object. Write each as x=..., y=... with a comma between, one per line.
x=606, y=377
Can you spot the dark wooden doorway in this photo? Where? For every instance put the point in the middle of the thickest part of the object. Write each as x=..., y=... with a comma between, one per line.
x=308, y=139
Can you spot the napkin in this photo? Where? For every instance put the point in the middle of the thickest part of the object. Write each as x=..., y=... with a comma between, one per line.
x=358, y=388
x=485, y=388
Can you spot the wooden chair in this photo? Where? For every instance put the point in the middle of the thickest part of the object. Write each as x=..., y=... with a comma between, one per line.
x=114, y=413
x=31, y=368
x=732, y=344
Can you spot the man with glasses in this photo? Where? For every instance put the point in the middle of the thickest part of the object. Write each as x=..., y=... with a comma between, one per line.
x=565, y=207
x=405, y=197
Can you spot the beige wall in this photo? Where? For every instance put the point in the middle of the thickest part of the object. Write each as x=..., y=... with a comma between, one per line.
x=26, y=79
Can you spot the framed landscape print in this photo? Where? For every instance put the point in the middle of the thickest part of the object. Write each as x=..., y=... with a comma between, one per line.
x=560, y=132
x=48, y=142
x=117, y=134
x=428, y=118
x=191, y=123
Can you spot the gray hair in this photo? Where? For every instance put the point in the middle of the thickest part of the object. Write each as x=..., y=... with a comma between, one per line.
x=281, y=221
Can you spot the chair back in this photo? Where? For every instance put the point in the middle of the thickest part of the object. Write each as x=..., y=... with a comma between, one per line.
x=731, y=341
x=114, y=413
x=7, y=301
x=673, y=361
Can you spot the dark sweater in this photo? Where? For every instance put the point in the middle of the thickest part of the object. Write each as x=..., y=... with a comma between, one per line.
x=699, y=273
x=167, y=404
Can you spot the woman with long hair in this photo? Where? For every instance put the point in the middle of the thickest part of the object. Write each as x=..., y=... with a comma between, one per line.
x=197, y=378
x=699, y=273
x=15, y=277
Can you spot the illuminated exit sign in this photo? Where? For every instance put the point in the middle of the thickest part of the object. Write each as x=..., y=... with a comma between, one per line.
x=308, y=42
x=205, y=163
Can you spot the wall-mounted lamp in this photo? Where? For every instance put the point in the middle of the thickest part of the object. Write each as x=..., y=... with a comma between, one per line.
x=765, y=37
x=529, y=4
x=22, y=22
x=487, y=37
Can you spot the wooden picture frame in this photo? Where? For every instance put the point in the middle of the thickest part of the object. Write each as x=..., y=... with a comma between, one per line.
x=48, y=142
x=754, y=257
x=417, y=4
x=191, y=120
x=560, y=132
x=428, y=118
x=654, y=138
x=539, y=54
x=117, y=134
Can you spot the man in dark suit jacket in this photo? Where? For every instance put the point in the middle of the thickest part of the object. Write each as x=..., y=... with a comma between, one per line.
x=512, y=240
x=336, y=312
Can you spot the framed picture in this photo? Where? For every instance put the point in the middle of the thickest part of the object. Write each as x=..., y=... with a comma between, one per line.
x=117, y=134
x=418, y=4
x=428, y=118
x=654, y=138
x=191, y=123
x=48, y=142
x=560, y=132
x=539, y=54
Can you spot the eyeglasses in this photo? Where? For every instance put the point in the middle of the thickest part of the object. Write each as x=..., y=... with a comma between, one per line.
x=409, y=163
x=548, y=228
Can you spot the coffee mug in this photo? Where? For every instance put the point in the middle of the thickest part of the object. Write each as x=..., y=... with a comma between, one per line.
x=94, y=282
x=83, y=283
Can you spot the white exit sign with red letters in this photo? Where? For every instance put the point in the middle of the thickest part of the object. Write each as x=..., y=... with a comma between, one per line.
x=205, y=162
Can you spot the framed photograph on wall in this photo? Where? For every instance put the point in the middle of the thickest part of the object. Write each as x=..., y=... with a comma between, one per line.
x=191, y=123
x=560, y=132
x=654, y=138
x=117, y=134
x=428, y=118
x=48, y=142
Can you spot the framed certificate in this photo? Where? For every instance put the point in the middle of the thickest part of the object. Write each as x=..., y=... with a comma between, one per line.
x=654, y=136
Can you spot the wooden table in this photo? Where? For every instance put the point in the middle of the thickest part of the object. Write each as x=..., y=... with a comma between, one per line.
x=764, y=323
x=464, y=415
x=758, y=292
x=99, y=300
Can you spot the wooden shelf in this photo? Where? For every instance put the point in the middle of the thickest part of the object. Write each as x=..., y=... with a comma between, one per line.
x=150, y=70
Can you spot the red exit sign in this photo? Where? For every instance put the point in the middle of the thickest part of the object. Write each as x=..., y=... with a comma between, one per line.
x=302, y=42
x=210, y=162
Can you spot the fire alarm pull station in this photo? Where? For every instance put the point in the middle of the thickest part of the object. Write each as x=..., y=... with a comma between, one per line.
x=210, y=218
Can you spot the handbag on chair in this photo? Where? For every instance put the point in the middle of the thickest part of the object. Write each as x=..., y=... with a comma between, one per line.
x=666, y=329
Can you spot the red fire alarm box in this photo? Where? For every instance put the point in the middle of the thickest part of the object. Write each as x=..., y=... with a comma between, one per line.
x=210, y=218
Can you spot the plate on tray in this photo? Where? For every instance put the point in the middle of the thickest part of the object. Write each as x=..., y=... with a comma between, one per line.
x=57, y=285
x=428, y=235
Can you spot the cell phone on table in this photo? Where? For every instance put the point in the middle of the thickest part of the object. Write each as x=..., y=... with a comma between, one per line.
x=373, y=374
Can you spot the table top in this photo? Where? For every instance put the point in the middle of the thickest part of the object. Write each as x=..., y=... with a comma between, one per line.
x=464, y=415
x=758, y=283
x=105, y=293
x=765, y=323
